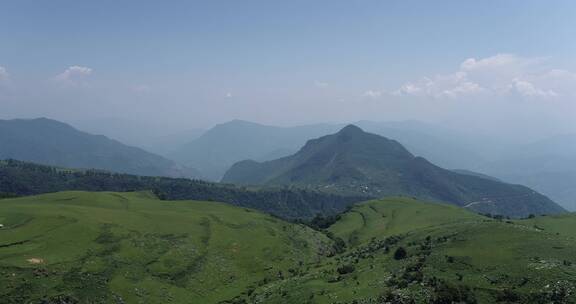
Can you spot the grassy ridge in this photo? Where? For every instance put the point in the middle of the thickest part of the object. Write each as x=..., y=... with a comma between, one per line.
x=564, y=225
x=395, y=216
x=115, y=247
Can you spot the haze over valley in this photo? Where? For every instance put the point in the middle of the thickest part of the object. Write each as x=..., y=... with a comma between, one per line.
x=332, y=152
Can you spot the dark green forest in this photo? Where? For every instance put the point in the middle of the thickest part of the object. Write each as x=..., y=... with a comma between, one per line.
x=18, y=178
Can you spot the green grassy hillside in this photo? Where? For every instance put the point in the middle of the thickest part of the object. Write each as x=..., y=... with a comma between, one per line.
x=562, y=225
x=452, y=255
x=395, y=216
x=132, y=248
x=81, y=247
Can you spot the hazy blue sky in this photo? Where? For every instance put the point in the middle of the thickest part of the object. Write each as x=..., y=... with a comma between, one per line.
x=197, y=63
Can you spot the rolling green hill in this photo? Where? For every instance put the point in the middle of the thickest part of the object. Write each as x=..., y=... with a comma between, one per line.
x=451, y=256
x=395, y=216
x=564, y=224
x=107, y=247
x=353, y=161
x=81, y=247
x=55, y=143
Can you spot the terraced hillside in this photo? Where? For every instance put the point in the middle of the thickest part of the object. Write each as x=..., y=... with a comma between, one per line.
x=81, y=247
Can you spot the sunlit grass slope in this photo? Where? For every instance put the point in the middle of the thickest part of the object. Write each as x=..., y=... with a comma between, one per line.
x=80, y=247
x=395, y=216
x=452, y=256
x=563, y=225
x=132, y=248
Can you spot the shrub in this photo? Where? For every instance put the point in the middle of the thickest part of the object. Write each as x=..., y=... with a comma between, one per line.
x=445, y=293
x=400, y=253
x=344, y=269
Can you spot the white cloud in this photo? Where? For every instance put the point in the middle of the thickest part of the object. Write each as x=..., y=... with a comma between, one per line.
x=527, y=89
x=228, y=95
x=450, y=86
x=499, y=61
x=499, y=75
x=74, y=76
x=372, y=94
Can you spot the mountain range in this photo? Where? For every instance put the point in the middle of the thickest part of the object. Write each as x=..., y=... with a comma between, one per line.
x=320, y=238
x=155, y=137
x=548, y=165
x=225, y=144
x=55, y=143
x=354, y=161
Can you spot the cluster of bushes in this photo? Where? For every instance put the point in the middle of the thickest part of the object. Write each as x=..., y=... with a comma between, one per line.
x=400, y=253
x=413, y=273
x=7, y=195
x=445, y=292
x=501, y=217
x=373, y=247
x=495, y=216
x=559, y=293
x=338, y=244
x=346, y=269
x=321, y=221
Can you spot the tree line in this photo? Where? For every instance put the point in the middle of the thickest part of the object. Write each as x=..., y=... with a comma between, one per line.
x=18, y=178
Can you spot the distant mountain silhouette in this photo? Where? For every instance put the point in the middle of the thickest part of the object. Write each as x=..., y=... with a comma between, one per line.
x=55, y=143
x=225, y=144
x=548, y=165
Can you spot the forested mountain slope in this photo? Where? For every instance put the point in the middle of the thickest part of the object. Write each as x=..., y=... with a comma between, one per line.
x=353, y=161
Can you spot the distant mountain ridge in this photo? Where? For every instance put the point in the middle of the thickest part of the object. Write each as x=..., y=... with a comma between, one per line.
x=548, y=166
x=55, y=143
x=152, y=136
x=545, y=165
x=220, y=147
x=353, y=161
x=225, y=144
